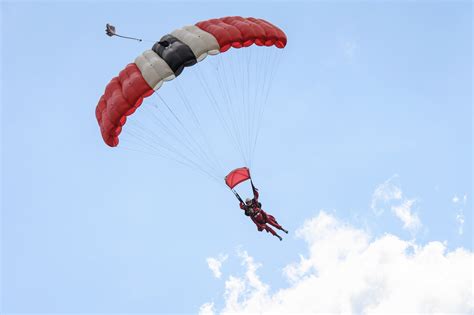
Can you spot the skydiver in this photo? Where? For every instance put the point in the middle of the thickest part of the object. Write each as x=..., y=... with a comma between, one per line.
x=253, y=209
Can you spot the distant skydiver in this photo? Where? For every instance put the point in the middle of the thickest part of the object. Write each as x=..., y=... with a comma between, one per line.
x=252, y=207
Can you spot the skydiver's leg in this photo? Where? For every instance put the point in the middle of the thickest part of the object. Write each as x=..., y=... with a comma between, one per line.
x=270, y=230
x=272, y=221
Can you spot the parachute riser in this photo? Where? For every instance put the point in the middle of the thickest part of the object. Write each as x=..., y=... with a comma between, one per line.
x=237, y=195
x=126, y=37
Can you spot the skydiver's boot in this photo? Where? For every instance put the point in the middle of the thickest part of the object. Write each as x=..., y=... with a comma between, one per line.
x=281, y=239
x=286, y=231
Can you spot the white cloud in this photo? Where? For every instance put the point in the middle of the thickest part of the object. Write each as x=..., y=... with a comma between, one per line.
x=390, y=195
x=460, y=221
x=215, y=264
x=455, y=199
x=385, y=193
x=249, y=290
x=403, y=212
x=346, y=271
x=206, y=309
x=460, y=215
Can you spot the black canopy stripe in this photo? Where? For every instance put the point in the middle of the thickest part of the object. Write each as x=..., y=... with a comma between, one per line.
x=175, y=53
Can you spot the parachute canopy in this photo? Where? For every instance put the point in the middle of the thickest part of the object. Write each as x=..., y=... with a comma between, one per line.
x=237, y=176
x=166, y=60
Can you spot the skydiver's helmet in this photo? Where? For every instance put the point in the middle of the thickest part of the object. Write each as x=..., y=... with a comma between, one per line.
x=248, y=202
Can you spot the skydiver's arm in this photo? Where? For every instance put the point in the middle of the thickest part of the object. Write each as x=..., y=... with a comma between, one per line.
x=255, y=191
x=242, y=205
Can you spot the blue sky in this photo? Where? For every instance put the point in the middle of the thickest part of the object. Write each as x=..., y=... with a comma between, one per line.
x=370, y=113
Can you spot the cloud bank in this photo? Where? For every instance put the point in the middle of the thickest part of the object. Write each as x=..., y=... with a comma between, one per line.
x=347, y=271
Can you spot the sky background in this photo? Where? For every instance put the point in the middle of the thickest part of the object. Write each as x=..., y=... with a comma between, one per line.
x=368, y=129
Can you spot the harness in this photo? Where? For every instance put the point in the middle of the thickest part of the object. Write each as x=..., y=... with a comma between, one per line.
x=254, y=209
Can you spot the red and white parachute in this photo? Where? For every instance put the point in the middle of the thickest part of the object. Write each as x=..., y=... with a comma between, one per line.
x=237, y=89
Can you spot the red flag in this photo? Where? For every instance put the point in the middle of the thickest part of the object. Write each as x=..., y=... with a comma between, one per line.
x=237, y=176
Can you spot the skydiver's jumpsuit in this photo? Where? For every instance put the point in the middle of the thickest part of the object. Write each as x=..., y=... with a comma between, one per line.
x=260, y=217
